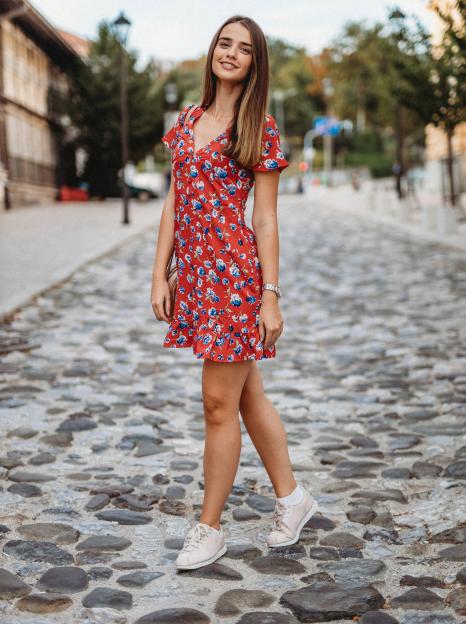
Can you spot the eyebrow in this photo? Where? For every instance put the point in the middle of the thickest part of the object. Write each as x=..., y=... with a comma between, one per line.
x=230, y=39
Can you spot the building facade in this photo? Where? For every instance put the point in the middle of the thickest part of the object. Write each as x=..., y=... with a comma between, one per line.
x=34, y=59
x=436, y=140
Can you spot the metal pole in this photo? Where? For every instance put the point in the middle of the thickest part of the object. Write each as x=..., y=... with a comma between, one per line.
x=124, y=129
x=328, y=159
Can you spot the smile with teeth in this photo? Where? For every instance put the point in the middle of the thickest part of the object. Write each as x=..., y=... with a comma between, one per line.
x=227, y=65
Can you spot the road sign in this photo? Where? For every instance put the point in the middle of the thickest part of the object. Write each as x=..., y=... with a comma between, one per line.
x=329, y=126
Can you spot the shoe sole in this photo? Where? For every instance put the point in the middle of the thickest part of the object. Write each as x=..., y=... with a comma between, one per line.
x=199, y=564
x=294, y=539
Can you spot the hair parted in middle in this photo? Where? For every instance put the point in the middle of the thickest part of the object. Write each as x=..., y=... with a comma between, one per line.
x=251, y=106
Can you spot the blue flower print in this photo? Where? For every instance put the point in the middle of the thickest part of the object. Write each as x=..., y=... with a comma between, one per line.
x=234, y=270
x=219, y=273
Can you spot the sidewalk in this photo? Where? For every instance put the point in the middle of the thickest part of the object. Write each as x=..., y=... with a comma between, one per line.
x=41, y=246
x=386, y=213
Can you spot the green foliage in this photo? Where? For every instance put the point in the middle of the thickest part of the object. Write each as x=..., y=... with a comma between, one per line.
x=93, y=106
x=379, y=164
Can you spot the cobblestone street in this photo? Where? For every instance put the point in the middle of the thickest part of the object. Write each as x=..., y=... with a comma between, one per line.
x=101, y=454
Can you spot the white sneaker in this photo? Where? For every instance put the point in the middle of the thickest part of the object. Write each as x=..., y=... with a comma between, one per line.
x=202, y=545
x=288, y=520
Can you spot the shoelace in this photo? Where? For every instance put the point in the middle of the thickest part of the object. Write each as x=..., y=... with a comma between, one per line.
x=195, y=536
x=280, y=516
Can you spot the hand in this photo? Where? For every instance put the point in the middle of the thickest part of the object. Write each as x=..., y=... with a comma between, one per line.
x=270, y=319
x=160, y=300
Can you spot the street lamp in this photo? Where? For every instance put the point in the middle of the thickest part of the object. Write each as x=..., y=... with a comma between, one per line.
x=121, y=28
x=328, y=149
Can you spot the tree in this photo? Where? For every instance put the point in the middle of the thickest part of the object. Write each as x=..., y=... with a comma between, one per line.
x=448, y=79
x=93, y=106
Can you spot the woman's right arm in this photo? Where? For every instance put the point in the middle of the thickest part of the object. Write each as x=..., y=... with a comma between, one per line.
x=160, y=293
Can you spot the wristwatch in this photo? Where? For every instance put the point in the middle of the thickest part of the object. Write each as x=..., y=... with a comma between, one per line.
x=274, y=287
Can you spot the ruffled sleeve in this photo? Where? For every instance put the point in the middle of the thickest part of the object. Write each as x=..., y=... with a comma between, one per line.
x=272, y=157
x=171, y=138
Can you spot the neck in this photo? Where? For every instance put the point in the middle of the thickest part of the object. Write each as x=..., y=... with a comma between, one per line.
x=226, y=96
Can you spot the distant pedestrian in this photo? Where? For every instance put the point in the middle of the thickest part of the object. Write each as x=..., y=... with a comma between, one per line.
x=168, y=178
x=226, y=306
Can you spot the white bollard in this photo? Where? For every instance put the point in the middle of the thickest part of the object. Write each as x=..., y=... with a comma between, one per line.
x=429, y=215
x=404, y=209
x=446, y=219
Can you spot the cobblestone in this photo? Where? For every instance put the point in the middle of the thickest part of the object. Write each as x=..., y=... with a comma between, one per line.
x=101, y=457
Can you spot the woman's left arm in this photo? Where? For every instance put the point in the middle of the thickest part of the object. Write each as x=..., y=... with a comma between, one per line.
x=265, y=226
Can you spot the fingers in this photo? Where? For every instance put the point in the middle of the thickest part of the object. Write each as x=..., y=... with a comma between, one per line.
x=269, y=335
x=162, y=309
x=166, y=308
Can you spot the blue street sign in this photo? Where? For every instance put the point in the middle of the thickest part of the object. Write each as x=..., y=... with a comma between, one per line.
x=326, y=125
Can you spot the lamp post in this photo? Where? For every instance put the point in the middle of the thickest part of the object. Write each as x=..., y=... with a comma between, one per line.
x=328, y=92
x=121, y=28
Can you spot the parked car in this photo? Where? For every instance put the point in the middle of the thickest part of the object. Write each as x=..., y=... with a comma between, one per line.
x=147, y=185
x=141, y=193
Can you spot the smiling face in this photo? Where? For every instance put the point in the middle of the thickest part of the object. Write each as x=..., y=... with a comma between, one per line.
x=232, y=57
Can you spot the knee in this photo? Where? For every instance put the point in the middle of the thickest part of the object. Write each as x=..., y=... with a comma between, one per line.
x=216, y=408
x=250, y=395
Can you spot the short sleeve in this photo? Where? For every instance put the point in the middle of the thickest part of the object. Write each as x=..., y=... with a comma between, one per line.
x=272, y=157
x=170, y=138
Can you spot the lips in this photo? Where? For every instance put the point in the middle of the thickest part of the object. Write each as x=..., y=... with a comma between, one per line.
x=227, y=65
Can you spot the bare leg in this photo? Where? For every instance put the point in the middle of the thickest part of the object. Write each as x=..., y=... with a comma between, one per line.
x=222, y=383
x=267, y=432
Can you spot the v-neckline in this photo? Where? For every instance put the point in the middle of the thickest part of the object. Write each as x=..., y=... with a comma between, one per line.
x=194, y=118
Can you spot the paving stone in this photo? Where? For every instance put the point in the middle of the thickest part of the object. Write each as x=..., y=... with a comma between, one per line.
x=260, y=503
x=104, y=543
x=331, y=601
x=97, y=502
x=340, y=539
x=243, y=515
x=63, y=580
x=239, y=551
x=266, y=617
x=26, y=490
x=235, y=601
x=461, y=576
x=138, y=579
x=276, y=565
x=388, y=494
x=56, y=532
x=354, y=569
x=456, y=469
x=124, y=516
x=174, y=616
x=45, y=552
x=456, y=599
x=44, y=603
x=454, y=553
x=214, y=570
x=417, y=598
x=108, y=597
x=11, y=586
x=26, y=476
x=378, y=617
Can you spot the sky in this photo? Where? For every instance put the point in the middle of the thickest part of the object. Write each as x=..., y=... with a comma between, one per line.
x=182, y=29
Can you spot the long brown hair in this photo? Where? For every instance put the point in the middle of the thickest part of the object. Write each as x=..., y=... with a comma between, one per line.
x=251, y=106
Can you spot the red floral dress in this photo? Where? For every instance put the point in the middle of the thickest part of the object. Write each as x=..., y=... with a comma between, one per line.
x=219, y=291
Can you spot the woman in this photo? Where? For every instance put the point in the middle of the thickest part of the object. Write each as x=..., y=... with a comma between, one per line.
x=226, y=305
